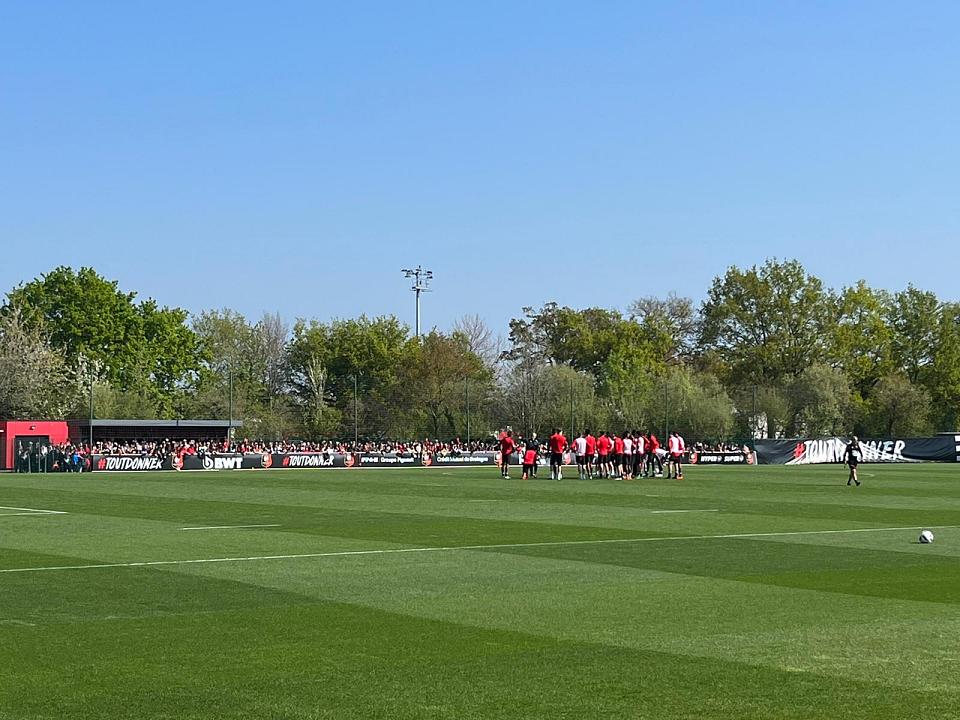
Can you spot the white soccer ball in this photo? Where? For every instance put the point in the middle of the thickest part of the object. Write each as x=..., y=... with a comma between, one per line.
x=926, y=537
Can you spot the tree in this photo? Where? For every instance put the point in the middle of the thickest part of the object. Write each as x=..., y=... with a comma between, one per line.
x=898, y=408
x=35, y=380
x=861, y=341
x=671, y=322
x=914, y=318
x=437, y=376
x=480, y=338
x=766, y=324
x=138, y=347
x=820, y=402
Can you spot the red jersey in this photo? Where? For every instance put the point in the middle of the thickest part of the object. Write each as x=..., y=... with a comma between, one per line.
x=530, y=457
x=618, y=445
x=603, y=445
x=507, y=445
x=558, y=443
x=591, y=445
x=653, y=444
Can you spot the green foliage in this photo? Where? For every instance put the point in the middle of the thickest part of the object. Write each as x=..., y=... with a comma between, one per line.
x=898, y=407
x=766, y=324
x=136, y=347
x=35, y=380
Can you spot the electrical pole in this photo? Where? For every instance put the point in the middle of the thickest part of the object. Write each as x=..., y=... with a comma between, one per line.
x=91, y=413
x=466, y=391
x=356, y=415
x=230, y=426
x=421, y=284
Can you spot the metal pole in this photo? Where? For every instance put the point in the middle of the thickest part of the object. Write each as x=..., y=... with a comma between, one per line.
x=417, y=289
x=91, y=414
x=230, y=426
x=466, y=383
x=572, y=430
x=665, y=411
x=356, y=414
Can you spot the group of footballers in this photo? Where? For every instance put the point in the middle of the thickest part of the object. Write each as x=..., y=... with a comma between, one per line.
x=624, y=457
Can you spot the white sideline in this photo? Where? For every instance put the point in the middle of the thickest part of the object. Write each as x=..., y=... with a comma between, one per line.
x=454, y=548
x=228, y=527
x=34, y=510
x=664, y=512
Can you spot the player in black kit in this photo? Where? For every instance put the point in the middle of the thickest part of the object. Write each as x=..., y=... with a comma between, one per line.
x=852, y=458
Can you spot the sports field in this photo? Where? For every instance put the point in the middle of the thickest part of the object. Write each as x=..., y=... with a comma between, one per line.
x=428, y=593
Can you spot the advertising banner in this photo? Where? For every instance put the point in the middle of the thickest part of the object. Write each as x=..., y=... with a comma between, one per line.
x=810, y=451
x=469, y=459
x=129, y=463
x=721, y=458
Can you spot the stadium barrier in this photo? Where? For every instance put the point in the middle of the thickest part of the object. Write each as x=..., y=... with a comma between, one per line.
x=262, y=461
x=811, y=451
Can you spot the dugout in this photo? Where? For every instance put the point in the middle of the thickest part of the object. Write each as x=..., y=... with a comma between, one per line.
x=123, y=430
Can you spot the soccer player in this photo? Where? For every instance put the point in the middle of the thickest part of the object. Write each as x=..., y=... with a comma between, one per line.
x=591, y=452
x=852, y=458
x=639, y=453
x=558, y=443
x=676, y=448
x=507, y=446
x=529, y=461
x=617, y=456
x=627, y=456
x=535, y=444
x=653, y=456
x=580, y=450
x=604, y=445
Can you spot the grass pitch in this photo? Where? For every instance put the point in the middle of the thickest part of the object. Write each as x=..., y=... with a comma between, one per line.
x=735, y=593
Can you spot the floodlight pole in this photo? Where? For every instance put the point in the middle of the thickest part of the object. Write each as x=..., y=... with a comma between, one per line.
x=421, y=284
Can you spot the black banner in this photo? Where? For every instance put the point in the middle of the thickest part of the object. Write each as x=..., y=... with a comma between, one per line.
x=471, y=459
x=389, y=460
x=720, y=458
x=810, y=451
x=129, y=463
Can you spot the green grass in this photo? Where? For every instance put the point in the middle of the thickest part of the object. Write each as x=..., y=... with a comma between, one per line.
x=577, y=599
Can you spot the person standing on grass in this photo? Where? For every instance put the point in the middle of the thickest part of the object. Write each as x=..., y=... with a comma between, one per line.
x=591, y=453
x=529, y=461
x=534, y=444
x=580, y=450
x=676, y=448
x=639, y=453
x=653, y=456
x=558, y=443
x=603, y=454
x=507, y=447
x=852, y=458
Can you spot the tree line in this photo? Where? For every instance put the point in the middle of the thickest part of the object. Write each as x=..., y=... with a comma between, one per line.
x=771, y=351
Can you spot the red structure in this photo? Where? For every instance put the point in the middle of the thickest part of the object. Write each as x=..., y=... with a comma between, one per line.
x=14, y=433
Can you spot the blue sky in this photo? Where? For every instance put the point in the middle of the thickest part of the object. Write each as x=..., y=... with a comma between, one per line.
x=294, y=156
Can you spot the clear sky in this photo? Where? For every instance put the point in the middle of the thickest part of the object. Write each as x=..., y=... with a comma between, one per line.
x=294, y=156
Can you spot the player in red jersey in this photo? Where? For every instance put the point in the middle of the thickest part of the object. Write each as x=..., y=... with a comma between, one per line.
x=653, y=456
x=604, y=445
x=558, y=443
x=529, y=461
x=591, y=453
x=618, y=456
x=507, y=446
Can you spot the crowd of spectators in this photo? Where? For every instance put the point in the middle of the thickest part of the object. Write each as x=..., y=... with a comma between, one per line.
x=71, y=457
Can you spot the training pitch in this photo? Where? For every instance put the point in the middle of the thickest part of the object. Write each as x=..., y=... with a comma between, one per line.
x=430, y=593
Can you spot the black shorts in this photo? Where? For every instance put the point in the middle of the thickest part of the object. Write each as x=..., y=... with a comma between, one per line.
x=528, y=468
x=602, y=459
x=581, y=459
x=556, y=458
x=853, y=464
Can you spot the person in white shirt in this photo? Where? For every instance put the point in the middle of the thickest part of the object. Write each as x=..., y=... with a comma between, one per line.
x=675, y=447
x=580, y=450
x=627, y=456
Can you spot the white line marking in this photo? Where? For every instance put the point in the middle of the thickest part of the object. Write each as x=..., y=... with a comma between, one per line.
x=455, y=548
x=34, y=510
x=664, y=512
x=28, y=514
x=227, y=527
